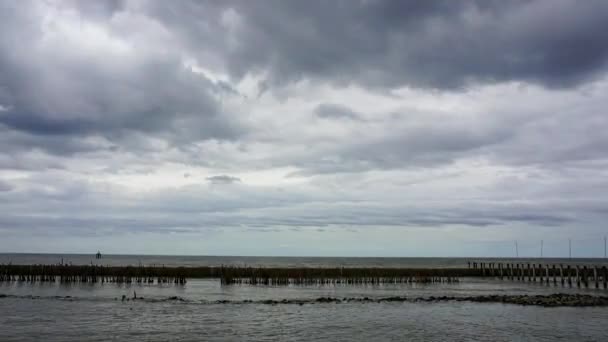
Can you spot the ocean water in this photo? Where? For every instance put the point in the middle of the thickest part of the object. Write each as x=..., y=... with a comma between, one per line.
x=193, y=312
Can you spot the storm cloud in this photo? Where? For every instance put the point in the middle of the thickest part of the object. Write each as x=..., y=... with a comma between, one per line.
x=434, y=44
x=307, y=123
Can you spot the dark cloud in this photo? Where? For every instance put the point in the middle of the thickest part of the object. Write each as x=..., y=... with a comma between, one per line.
x=5, y=186
x=437, y=44
x=223, y=179
x=335, y=111
x=115, y=88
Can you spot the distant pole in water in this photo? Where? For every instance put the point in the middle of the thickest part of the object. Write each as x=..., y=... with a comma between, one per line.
x=541, y=248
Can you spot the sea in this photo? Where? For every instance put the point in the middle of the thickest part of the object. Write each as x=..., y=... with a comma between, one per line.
x=205, y=310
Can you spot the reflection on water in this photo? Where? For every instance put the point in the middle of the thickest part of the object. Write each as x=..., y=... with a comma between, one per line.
x=206, y=290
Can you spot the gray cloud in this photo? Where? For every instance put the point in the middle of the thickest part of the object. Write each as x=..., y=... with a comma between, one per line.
x=50, y=89
x=223, y=179
x=343, y=115
x=183, y=209
x=330, y=111
x=400, y=43
x=5, y=186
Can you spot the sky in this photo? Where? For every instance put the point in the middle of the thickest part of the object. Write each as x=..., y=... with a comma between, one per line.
x=298, y=128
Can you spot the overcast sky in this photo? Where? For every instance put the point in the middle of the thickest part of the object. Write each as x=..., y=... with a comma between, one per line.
x=354, y=128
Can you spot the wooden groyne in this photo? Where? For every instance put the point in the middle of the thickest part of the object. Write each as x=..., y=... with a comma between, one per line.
x=228, y=275
x=91, y=274
x=587, y=276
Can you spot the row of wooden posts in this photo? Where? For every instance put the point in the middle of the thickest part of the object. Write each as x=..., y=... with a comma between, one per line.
x=570, y=275
x=90, y=274
x=545, y=273
x=337, y=281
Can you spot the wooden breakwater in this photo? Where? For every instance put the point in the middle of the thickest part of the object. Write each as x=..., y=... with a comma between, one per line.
x=557, y=274
x=588, y=276
x=92, y=274
x=228, y=274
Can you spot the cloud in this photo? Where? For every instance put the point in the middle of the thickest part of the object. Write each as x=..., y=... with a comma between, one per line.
x=223, y=179
x=462, y=118
x=5, y=186
x=83, y=80
x=405, y=43
x=334, y=111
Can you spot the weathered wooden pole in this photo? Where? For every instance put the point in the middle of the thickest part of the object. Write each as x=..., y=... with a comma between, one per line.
x=518, y=273
x=585, y=277
x=605, y=272
x=597, y=282
x=500, y=270
x=578, y=278
x=554, y=275
x=547, y=274
x=533, y=272
x=561, y=273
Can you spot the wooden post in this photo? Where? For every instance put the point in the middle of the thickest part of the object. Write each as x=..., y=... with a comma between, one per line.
x=518, y=274
x=540, y=273
x=534, y=272
x=569, y=278
x=500, y=270
x=547, y=274
x=554, y=275
x=605, y=276
x=597, y=283
x=578, y=278
x=561, y=273
x=585, y=277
